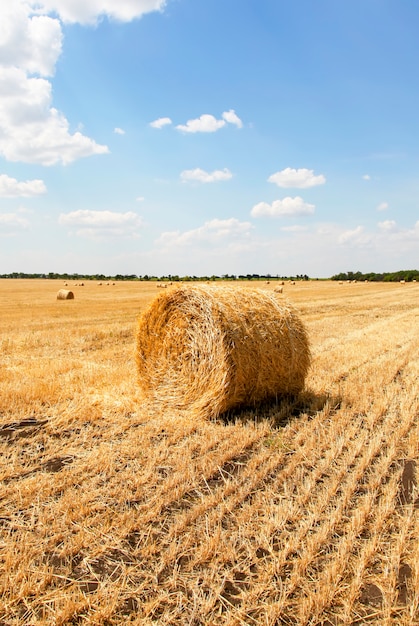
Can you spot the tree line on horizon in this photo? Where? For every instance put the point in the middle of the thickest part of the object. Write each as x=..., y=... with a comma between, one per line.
x=406, y=275
x=146, y=277
x=386, y=277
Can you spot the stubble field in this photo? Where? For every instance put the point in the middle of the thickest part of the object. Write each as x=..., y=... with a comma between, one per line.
x=300, y=512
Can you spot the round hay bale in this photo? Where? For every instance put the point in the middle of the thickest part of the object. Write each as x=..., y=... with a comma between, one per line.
x=209, y=350
x=65, y=294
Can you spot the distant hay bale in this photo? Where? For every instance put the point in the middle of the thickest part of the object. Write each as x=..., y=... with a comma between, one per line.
x=278, y=289
x=209, y=350
x=65, y=294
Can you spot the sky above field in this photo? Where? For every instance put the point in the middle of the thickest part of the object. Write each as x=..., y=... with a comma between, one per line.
x=201, y=137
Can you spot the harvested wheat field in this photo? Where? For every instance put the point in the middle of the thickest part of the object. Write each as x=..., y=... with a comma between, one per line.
x=303, y=510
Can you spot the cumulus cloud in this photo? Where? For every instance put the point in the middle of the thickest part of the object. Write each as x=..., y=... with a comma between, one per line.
x=231, y=118
x=301, y=178
x=383, y=206
x=11, y=223
x=11, y=188
x=391, y=232
x=102, y=224
x=388, y=226
x=89, y=11
x=356, y=236
x=31, y=42
x=160, y=122
x=205, y=177
x=366, y=177
x=287, y=207
x=31, y=129
x=213, y=231
x=204, y=124
x=250, y=251
x=119, y=131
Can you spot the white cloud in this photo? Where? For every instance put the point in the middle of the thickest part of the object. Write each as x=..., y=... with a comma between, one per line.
x=99, y=218
x=366, y=177
x=30, y=42
x=102, y=224
x=205, y=177
x=383, y=206
x=231, y=118
x=89, y=11
x=252, y=251
x=213, y=231
x=31, y=129
x=357, y=236
x=160, y=122
x=118, y=131
x=204, y=124
x=401, y=236
x=388, y=226
x=11, y=188
x=10, y=223
x=301, y=178
x=139, y=199
x=283, y=208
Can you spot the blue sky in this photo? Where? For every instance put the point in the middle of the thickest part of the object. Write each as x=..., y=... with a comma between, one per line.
x=200, y=137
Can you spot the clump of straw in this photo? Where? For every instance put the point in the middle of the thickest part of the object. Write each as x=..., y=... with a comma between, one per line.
x=211, y=349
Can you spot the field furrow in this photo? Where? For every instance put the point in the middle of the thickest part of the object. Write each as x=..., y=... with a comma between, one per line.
x=303, y=511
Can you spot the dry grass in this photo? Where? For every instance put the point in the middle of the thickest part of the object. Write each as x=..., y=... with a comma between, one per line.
x=298, y=512
x=208, y=350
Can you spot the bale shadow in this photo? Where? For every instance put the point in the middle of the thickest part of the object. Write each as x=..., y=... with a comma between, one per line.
x=23, y=428
x=281, y=410
x=409, y=483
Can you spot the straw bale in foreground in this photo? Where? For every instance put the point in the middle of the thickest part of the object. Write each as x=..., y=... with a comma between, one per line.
x=65, y=294
x=211, y=349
